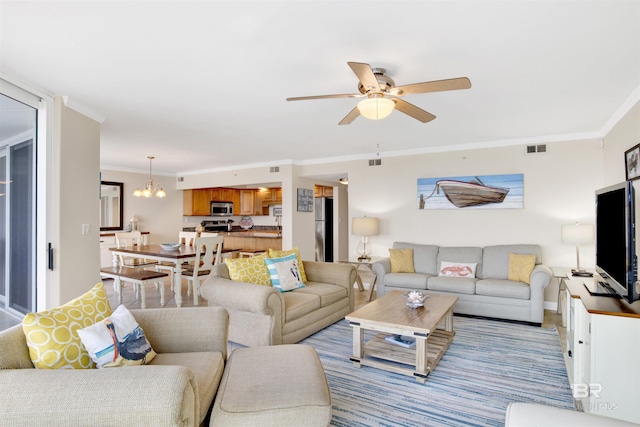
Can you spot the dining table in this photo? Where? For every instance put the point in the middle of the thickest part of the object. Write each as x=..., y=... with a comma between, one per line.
x=178, y=256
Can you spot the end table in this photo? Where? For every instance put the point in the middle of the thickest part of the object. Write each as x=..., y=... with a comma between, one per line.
x=369, y=264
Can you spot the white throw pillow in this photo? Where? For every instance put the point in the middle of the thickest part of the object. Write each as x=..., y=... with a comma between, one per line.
x=132, y=346
x=457, y=269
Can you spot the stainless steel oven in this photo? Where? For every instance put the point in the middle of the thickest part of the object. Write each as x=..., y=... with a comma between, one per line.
x=221, y=208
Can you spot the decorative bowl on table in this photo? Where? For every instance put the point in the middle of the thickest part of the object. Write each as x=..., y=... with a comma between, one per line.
x=415, y=299
x=170, y=246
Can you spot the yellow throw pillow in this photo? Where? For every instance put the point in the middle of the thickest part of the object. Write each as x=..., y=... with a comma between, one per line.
x=249, y=270
x=52, y=335
x=281, y=254
x=401, y=260
x=520, y=267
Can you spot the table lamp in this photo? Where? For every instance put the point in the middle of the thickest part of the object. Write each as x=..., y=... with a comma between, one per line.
x=577, y=234
x=365, y=227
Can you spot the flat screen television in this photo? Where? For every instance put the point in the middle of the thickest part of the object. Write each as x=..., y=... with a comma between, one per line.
x=616, y=261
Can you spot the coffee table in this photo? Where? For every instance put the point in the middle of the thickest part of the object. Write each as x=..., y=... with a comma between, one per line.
x=389, y=314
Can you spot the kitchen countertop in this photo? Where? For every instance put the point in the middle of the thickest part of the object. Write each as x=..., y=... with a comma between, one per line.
x=253, y=233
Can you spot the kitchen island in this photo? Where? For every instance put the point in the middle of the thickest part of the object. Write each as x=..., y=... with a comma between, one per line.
x=254, y=240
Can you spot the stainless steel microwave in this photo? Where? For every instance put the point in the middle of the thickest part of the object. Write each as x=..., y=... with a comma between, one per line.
x=221, y=208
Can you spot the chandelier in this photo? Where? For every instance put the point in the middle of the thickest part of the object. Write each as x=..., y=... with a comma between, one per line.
x=149, y=188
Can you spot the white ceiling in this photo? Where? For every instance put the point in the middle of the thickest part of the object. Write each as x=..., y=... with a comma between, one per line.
x=202, y=85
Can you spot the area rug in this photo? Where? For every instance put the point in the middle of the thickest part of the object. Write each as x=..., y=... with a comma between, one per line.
x=488, y=365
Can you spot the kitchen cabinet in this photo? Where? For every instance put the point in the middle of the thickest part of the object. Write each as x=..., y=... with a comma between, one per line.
x=196, y=202
x=247, y=202
x=322, y=191
x=272, y=196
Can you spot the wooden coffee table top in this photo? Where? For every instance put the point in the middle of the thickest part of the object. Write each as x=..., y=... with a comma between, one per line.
x=391, y=310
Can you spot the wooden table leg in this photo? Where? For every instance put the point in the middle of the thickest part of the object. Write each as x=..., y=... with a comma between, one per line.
x=422, y=368
x=358, y=338
x=177, y=284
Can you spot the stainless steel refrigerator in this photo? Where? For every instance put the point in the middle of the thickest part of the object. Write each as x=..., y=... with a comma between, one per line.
x=324, y=229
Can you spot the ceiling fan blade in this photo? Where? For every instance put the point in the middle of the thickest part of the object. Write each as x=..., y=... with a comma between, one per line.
x=365, y=75
x=413, y=111
x=353, y=114
x=434, y=86
x=345, y=95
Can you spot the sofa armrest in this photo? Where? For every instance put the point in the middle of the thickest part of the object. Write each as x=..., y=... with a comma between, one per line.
x=533, y=415
x=242, y=296
x=381, y=268
x=127, y=396
x=189, y=329
x=540, y=276
x=335, y=273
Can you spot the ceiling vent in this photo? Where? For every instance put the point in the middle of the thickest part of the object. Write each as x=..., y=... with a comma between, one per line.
x=375, y=162
x=274, y=169
x=540, y=148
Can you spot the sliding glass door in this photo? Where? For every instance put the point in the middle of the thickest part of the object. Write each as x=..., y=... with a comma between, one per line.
x=17, y=206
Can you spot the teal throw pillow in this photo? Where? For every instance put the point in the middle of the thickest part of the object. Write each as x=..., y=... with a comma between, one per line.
x=285, y=273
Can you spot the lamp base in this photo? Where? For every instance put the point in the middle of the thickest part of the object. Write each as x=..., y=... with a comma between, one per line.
x=364, y=258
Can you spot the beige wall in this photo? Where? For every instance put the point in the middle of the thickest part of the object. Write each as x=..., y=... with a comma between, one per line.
x=76, y=141
x=161, y=217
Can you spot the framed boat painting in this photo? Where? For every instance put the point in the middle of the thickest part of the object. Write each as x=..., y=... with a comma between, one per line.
x=472, y=192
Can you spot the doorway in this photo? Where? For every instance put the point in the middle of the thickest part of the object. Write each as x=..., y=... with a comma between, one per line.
x=17, y=206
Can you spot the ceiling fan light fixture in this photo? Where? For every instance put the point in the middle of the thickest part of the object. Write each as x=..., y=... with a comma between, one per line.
x=376, y=108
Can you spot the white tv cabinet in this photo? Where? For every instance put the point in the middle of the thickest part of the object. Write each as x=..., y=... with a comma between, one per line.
x=603, y=352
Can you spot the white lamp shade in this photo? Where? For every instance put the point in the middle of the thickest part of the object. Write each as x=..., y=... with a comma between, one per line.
x=580, y=234
x=364, y=226
x=376, y=108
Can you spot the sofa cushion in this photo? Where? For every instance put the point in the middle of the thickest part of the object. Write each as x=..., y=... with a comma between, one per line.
x=457, y=269
x=297, y=304
x=279, y=254
x=327, y=292
x=406, y=280
x=207, y=367
x=52, y=335
x=503, y=288
x=401, y=260
x=495, y=259
x=249, y=270
x=461, y=285
x=520, y=267
x=285, y=273
x=133, y=347
x=424, y=257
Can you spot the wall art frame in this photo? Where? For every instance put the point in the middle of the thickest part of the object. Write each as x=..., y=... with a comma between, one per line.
x=472, y=192
x=632, y=163
x=305, y=200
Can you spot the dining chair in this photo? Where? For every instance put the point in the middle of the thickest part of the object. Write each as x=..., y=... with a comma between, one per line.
x=187, y=238
x=208, y=250
x=131, y=239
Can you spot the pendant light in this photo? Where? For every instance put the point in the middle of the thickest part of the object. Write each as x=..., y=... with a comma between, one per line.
x=149, y=188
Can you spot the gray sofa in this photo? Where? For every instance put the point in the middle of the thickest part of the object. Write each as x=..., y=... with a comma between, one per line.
x=262, y=315
x=488, y=294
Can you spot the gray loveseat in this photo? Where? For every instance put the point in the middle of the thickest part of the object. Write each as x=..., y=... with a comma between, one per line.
x=488, y=294
x=262, y=315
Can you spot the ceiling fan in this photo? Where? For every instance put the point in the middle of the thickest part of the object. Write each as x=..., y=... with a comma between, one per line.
x=383, y=95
